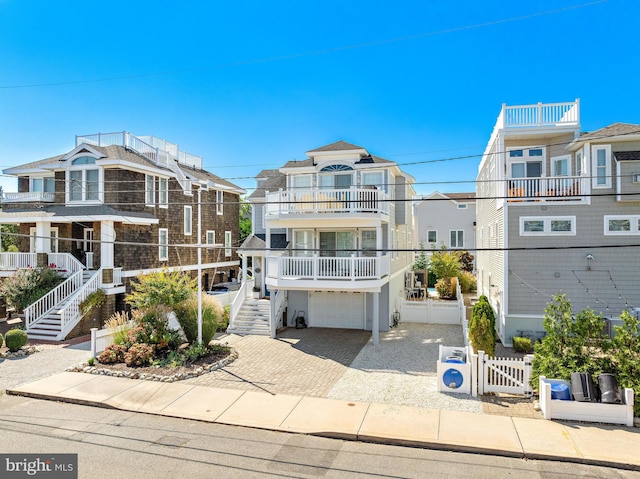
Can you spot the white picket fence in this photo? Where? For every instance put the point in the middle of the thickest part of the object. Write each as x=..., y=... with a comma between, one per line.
x=101, y=338
x=432, y=311
x=503, y=375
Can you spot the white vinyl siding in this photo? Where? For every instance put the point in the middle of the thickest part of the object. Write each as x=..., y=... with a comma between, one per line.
x=547, y=225
x=163, y=244
x=188, y=220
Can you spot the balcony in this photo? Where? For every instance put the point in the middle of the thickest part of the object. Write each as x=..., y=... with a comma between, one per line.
x=540, y=115
x=325, y=204
x=327, y=273
x=550, y=189
x=28, y=197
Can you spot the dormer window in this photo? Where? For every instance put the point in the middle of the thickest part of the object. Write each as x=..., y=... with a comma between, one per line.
x=83, y=180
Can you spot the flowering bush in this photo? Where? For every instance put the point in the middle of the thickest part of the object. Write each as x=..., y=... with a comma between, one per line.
x=114, y=353
x=139, y=355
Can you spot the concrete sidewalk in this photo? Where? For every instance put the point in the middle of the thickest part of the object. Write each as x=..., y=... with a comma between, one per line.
x=372, y=422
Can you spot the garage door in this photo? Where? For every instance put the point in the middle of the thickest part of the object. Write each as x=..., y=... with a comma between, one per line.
x=336, y=310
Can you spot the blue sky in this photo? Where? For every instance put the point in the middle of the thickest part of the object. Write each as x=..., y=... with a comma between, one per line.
x=250, y=85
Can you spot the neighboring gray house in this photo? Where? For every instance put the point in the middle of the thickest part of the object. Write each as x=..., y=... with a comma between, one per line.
x=557, y=212
x=446, y=219
x=331, y=238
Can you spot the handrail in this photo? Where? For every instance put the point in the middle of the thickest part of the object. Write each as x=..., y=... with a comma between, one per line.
x=237, y=302
x=540, y=114
x=328, y=267
x=70, y=313
x=278, y=308
x=65, y=262
x=13, y=261
x=319, y=200
x=53, y=298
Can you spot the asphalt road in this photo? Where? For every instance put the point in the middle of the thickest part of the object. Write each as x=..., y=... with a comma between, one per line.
x=118, y=444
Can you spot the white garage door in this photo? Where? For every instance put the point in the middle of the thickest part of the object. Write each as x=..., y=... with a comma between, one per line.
x=336, y=310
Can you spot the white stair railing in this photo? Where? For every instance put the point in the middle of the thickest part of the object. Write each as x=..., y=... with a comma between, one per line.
x=70, y=314
x=36, y=311
x=276, y=313
x=65, y=262
x=238, y=301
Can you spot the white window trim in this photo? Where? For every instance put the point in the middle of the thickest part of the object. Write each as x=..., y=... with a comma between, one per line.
x=594, y=166
x=163, y=202
x=188, y=226
x=149, y=193
x=44, y=179
x=457, y=246
x=566, y=158
x=219, y=202
x=633, y=219
x=163, y=247
x=432, y=242
x=213, y=237
x=525, y=158
x=83, y=169
x=547, y=226
x=227, y=243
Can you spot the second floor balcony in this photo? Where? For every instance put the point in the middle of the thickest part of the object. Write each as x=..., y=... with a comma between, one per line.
x=347, y=273
x=27, y=197
x=327, y=204
x=548, y=189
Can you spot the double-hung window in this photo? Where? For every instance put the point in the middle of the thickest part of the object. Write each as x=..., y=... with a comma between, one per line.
x=83, y=180
x=456, y=238
x=227, y=243
x=149, y=190
x=601, y=166
x=163, y=192
x=210, y=237
x=219, y=201
x=188, y=220
x=163, y=244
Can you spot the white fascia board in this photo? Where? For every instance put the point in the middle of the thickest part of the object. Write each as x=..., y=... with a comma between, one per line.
x=338, y=153
x=297, y=169
x=79, y=148
x=150, y=170
x=36, y=216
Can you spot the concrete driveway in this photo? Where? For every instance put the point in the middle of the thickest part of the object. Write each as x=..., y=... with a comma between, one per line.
x=343, y=364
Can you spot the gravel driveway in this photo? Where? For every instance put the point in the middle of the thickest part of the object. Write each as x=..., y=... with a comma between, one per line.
x=402, y=370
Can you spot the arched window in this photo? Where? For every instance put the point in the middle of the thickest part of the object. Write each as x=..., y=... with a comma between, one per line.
x=336, y=177
x=331, y=168
x=84, y=160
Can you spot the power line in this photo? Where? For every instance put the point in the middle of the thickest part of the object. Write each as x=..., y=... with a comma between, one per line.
x=305, y=54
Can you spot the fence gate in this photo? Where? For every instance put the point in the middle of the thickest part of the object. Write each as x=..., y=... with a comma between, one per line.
x=504, y=375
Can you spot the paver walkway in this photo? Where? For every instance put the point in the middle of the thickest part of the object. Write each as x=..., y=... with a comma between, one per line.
x=300, y=361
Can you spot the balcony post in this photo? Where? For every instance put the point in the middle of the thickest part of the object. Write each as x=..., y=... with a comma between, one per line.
x=353, y=267
x=315, y=266
x=375, y=328
x=539, y=113
x=107, y=239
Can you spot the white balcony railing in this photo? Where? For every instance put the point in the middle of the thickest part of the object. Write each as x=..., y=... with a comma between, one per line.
x=328, y=268
x=117, y=276
x=65, y=262
x=554, y=188
x=352, y=200
x=541, y=114
x=14, y=261
x=28, y=196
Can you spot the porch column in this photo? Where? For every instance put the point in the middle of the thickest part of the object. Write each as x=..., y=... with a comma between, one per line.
x=379, y=240
x=375, y=329
x=244, y=268
x=266, y=262
x=43, y=237
x=107, y=239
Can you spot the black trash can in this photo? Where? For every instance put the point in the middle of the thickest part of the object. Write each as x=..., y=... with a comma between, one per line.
x=609, y=392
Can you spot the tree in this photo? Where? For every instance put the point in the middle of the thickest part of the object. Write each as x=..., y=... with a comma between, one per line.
x=421, y=261
x=29, y=285
x=10, y=240
x=245, y=219
x=165, y=287
x=445, y=264
x=466, y=261
x=482, y=327
x=626, y=356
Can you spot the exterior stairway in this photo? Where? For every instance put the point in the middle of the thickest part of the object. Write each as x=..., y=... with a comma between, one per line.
x=50, y=327
x=253, y=318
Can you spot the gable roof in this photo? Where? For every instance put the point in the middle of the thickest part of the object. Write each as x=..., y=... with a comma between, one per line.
x=617, y=129
x=337, y=146
x=471, y=196
x=627, y=155
x=273, y=181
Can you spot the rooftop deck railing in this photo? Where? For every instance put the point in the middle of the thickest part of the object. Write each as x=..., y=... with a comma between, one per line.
x=541, y=114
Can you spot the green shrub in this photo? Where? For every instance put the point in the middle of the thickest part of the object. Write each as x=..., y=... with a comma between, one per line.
x=187, y=314
x=15, y=339
x=91, y=361
x=522, y=345
x=574, y=342
x=114, y=353
x=153, y=328
x=29, y=285
x=224, y=320
x=626, y=356
x=161, y=288
x=444, y=288
x=139, y=355
x=92, y=301
x=1, y=340
x=484, y=307
x=482, y=327
x=195, y=352
x=119, y=325
x=468, y=282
